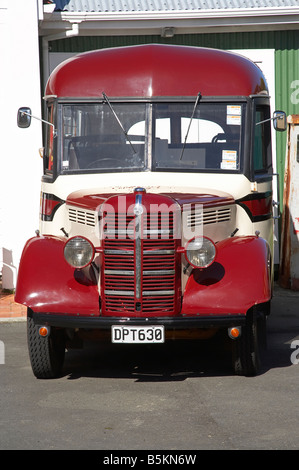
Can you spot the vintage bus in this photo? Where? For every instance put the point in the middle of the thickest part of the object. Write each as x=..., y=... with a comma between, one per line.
x=156, y=204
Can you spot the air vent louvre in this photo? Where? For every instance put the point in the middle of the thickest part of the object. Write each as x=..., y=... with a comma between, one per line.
x=82, y=217
x=212, y=216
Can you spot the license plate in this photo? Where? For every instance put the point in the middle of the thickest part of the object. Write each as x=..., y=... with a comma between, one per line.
x=137, y=334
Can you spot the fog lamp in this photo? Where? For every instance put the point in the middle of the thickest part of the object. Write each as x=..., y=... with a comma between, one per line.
x=79, y=252
x=200, y=252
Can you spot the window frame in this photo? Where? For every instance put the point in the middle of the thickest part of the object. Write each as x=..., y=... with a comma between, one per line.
x=245, y=166
x=215, y=100
x=49, y=132
x=266, y=171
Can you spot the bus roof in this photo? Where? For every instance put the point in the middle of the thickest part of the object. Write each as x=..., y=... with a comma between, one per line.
x=156, y=70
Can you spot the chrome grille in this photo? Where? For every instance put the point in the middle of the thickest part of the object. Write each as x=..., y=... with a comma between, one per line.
x=158, y=267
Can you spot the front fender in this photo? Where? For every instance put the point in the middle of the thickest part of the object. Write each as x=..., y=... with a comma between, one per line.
x=46, y=282
x=238, y=279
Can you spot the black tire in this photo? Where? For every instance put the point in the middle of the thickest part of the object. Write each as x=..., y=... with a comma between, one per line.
x=246, y=350
x=46, y=354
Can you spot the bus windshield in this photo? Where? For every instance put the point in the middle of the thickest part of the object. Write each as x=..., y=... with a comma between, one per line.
x=159, y=136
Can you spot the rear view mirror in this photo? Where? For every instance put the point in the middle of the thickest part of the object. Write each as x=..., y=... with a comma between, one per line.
x=279, y=121
x=24, y=117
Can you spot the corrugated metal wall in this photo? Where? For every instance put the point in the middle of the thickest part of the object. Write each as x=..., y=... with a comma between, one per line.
x=285, y=43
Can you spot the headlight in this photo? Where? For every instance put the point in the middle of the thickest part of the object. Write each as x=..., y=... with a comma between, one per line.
x=200, y=252
x=79, y=252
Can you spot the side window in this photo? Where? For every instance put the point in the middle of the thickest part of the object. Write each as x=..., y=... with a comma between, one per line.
x=48, y=156
x=262, y=141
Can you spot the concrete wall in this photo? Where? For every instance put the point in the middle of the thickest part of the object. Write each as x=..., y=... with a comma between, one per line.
x=20, y=164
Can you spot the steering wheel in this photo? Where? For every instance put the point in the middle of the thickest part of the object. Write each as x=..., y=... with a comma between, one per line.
x=220, y=136
x=94, y=163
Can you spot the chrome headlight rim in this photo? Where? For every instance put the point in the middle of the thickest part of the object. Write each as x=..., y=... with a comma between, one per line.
x=86, y=245
x=210, y=258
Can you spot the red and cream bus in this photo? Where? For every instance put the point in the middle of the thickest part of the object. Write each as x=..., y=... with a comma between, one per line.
x=156, y=203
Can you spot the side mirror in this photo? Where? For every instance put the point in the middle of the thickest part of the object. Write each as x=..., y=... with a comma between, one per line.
x=24, y=117
x=279, y=121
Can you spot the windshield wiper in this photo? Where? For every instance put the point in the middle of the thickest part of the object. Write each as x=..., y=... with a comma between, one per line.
x=192, y=116
x=118, y=120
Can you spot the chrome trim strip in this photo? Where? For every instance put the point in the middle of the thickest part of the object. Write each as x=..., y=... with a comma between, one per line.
x=117, y=272
x=145, y=292
x=119, y=232
x=146, y=252
x=138, y=210
x=161, y=272
x=145, y=232
x=119, y=292
x=119, y=252
x=158, y=231
x=158, y=292
x=158, y=252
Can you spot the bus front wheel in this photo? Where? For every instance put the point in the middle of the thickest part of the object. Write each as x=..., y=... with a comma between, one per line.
x=46, y=353
x=246, y=350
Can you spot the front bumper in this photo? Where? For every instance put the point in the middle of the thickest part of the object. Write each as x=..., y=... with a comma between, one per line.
x=105, y=323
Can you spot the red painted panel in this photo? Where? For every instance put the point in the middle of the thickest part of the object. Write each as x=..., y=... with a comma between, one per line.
x=207, y=200
x=88, y=201
x=258, y=205
x=46, y=283
x=237, y=280
x=85, y=200
x=156, y=70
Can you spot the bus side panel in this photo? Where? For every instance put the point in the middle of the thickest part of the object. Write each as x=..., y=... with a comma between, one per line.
x=238, y=279
x=46, y=283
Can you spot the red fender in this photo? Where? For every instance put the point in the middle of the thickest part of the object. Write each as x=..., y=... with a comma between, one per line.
x=238, y=279
x=47, y=283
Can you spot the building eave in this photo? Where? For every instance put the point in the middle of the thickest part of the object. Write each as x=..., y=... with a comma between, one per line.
x=187, y=22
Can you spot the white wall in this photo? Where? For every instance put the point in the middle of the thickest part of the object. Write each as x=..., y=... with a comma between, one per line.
x=20, y=164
